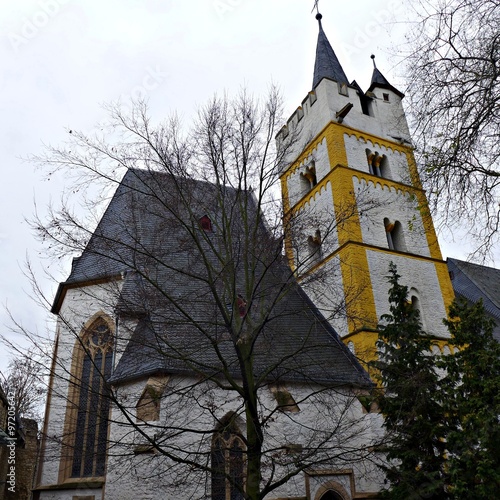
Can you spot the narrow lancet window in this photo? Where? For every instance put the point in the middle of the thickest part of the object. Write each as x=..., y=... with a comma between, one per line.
x=228, y=464
x=395, y=237
x=315, y=250
x=91, y=431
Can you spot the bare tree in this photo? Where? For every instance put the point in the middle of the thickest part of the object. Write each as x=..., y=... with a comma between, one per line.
x=454, y=91
x=215, y=367
x=25, y=379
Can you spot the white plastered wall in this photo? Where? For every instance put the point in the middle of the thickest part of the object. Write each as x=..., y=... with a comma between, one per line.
x=316, y=214
x=326, y=290
x=415, y=273
x=390, y=115
x=321, y=162
x=153, y=476
x=320, y=108
x=80, y=305
x=356, y=157
x=395, y=205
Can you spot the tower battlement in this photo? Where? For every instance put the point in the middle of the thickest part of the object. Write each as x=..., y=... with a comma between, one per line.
x=378, y=112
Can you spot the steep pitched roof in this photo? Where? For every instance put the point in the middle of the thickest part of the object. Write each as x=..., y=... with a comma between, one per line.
x=297, y=345
x=327, y=64
x=379, y=80
x=474, y=282
x=146, y=237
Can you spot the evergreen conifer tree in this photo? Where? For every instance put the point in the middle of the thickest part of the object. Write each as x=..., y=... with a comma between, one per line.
x=410, y=402
x=471, y=390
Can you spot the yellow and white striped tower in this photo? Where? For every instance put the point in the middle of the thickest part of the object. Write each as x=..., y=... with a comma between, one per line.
x=353, y=203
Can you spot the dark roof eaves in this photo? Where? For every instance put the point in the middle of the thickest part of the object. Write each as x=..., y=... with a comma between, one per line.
x=387, y=86
x=324, y=381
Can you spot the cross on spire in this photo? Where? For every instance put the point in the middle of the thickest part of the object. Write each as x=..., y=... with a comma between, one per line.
x=315, y=6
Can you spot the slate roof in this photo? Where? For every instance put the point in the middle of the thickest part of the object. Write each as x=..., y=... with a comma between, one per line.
x=379, y=80
x=151, y=238
x=327, y=64
x=474, y=282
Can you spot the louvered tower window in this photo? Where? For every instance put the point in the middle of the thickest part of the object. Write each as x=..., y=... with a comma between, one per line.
x=89, y=451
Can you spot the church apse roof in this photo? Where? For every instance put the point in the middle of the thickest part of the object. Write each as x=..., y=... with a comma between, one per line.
x=150, y=236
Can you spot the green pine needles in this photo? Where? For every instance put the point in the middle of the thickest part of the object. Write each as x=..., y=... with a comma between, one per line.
x=413, y=415
x=471, y=396
x=441, y=412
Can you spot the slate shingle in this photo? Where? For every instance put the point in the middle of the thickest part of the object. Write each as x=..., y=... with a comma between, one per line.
x=474, y=282
x=146, y=234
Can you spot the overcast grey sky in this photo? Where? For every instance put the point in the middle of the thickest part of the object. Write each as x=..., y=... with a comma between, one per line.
x=62, y=59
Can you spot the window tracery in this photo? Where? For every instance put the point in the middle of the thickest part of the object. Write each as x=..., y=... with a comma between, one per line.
x=308, y=178
x=377, y=164
x=92, y=412
x=228, y=464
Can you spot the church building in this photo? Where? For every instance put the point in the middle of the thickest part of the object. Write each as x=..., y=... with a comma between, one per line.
x=186, y=340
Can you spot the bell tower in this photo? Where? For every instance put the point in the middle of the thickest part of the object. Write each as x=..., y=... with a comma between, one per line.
x=354, y=203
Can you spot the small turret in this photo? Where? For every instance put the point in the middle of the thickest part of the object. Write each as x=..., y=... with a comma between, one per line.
x=380, y=81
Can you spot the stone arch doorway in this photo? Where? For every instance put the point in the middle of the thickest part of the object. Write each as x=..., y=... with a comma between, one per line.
x=331, y=495
x=332, y=490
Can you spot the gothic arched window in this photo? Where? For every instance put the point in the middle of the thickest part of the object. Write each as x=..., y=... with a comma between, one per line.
x=228, y=464
x=417, y=306
x=332, y=490
x=92, y=412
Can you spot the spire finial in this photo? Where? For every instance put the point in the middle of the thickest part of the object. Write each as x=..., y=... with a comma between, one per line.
x=318, y=15
x=373, y=59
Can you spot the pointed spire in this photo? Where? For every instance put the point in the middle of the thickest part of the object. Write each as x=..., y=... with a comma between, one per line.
x=379, y=80
x=327, y=65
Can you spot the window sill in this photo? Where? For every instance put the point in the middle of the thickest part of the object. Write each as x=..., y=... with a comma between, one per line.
x=73, y=483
